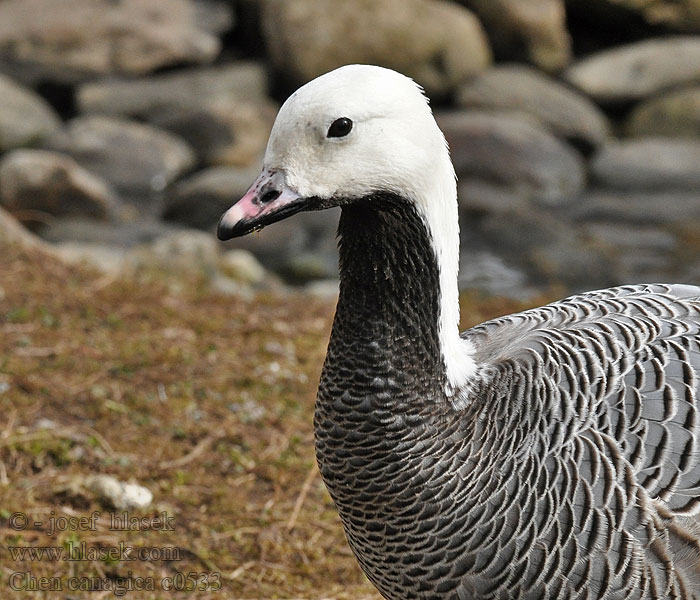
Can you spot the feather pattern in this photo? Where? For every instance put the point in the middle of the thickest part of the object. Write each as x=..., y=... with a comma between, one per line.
x=611, y=381
x=572, y=472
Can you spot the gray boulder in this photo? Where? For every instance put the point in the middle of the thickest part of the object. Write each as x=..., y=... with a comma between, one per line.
x=437, y=43
x=567, y=113
x=486, y=271
x=223, y=132
x=116, y=235
x=222, y=112
x=190, y=252
x=651, y=163
x=644, y=252
x=214, y=16
x=533, y=30
x=136, y=159
x=299, y=249
x=275, y=244
x=512, y=150
x=186, y=89
x=631, y=237
x=77, y=39
x=675, y=113
x=549, y=249
x=201, y=199
x=25, y=117
x=242, y=266
x=52, y=184
x=637, y=70
x=636, y=207
x=104, y=258
x=478, y=196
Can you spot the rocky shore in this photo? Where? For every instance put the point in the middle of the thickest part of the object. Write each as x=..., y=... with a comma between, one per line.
x=127, y=127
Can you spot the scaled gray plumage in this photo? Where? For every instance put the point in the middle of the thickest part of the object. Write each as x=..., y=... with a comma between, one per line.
x=571, y=469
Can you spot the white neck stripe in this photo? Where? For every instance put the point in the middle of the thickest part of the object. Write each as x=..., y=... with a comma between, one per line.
x=439, y=210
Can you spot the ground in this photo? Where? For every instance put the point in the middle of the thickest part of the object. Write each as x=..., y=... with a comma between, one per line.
x=205, y=399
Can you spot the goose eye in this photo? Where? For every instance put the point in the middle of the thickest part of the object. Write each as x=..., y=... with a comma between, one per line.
x=339, y=128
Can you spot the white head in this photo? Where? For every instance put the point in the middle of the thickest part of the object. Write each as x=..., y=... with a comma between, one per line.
x=350, y=133
x=393, y=143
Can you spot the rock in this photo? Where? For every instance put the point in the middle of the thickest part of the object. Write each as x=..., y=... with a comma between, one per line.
x=675, y=113
x=644, y=253
x=242, y=266
x=532, y=30
x=119, y=494
x=73, y=40
x=52, y=184
x=549, y=249
x=136, y=159
x=301, y=248
x=25, y=117
x=482, y=197
x=201, y=199
x=514, y=87
x=648, y=164
x=487, y=272
x=94, y=233
x=306, y=254
x=108, y=259
x=631, y=237
x=12, y=232
x=186, y=89
x=191, y=252
x=321, y=228
x=636, y=207
x=307, y=266
x=688, y=254
x=274, y=245
x=323, y=288
x=225, y=286
x=637, y=70
x=222, y=112
x=214, y=16
x=511, y=150
x=437, y=43
x=691, y=272
x=224, y=132
x=646, y=266
x=115, y=247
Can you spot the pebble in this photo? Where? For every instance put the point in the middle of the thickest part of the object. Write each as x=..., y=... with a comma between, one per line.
x=119, y=494
x=242, y=266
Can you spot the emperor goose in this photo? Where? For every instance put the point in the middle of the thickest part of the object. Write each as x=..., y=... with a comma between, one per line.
x=551, y=454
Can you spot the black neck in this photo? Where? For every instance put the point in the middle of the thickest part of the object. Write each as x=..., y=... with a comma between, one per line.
x=387, y=318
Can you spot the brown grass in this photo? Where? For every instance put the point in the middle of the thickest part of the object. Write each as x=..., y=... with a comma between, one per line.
x=206, y=400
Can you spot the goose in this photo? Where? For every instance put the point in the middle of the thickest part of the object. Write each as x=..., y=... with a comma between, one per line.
x=550, y=454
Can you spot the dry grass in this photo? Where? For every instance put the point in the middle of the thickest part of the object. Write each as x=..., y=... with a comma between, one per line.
x=204, y=399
